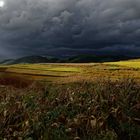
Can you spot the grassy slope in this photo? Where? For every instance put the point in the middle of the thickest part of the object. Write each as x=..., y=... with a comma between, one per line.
x=130, y=63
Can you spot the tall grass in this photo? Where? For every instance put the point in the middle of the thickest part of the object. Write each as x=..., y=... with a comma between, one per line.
x=101, y=110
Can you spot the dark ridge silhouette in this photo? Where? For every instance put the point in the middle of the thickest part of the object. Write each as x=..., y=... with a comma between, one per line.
x=73, y=59
x=95, y=58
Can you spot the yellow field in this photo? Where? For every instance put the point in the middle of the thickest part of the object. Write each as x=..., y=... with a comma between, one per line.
x=73, y=72
x=130, y=63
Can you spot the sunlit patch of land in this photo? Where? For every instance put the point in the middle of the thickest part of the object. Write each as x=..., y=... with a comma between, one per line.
x=63, y=73
x=130, y=63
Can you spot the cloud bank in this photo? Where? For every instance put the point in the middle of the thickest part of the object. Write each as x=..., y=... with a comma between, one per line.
x=51, y=26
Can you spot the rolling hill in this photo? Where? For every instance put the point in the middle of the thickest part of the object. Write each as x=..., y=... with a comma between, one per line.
x=96, y=59
x=73, y=59
x=30, y=60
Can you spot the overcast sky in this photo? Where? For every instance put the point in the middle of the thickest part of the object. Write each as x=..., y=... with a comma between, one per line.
x=66, y=27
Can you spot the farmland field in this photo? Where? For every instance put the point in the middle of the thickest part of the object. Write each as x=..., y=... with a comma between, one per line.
x=93, y=101
x=73, y=72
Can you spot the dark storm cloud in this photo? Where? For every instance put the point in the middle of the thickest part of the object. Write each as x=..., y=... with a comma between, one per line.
x=43, y=26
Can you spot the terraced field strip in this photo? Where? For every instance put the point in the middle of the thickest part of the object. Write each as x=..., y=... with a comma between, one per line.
x=43, y=72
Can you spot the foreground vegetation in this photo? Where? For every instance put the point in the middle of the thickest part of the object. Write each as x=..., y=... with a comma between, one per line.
x=101, y=110
x=69, y=102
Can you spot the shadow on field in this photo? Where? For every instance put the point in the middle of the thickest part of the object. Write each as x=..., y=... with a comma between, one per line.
x=100, y=110
x=17, y=82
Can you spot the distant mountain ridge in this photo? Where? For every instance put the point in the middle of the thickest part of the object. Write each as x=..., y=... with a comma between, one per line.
x=95, y=58
x=35, y=59
x=74, y=59
x=30, y=60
